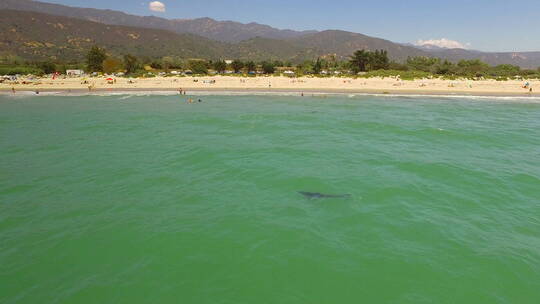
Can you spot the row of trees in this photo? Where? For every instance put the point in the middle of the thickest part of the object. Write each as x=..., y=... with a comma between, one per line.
x=237, y=66
x=12, y=65
x=374, y=63
x=463, y=68
x=98, y=61
x=366, y=61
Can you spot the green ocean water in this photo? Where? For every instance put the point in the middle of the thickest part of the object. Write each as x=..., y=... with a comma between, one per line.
x=147, y=199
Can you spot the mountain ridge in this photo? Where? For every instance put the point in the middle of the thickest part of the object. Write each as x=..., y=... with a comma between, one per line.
x=37, y=36
x=251, y=41
x=226, y=31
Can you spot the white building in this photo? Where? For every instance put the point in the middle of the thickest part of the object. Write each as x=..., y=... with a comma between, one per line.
x=74, y=73
x=289, y=73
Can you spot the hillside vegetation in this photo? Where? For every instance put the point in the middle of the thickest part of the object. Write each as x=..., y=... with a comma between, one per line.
x=35, y=36
x=255, y=41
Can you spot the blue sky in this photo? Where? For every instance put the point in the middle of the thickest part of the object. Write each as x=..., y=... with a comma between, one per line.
x=488, y=25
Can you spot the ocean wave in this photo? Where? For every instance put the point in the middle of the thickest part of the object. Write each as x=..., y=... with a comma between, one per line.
x=450, y=96
x=142, y=93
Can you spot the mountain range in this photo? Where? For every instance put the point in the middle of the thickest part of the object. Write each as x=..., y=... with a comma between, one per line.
x=38, y=30
x=227, y=31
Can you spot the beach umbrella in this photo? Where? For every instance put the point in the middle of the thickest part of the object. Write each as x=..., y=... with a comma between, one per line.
x=109, y=79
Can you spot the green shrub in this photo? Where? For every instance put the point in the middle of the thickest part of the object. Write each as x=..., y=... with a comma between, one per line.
x=21, y=70
x=405, y=75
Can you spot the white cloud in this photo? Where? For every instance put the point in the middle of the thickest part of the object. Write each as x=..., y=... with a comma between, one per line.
x=157, y=6
x=443, y=43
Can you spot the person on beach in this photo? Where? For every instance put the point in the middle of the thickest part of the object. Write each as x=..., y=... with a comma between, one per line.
x=13, y=90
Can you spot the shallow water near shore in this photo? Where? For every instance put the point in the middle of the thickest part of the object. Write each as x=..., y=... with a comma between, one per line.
x=148, y=199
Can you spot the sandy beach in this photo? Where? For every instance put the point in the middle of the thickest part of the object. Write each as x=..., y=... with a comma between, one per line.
x=279, y=83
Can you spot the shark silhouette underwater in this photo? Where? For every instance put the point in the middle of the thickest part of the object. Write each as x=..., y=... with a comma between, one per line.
x=317, y=195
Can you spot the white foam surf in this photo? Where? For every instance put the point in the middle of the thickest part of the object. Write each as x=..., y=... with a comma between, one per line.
x=128, y=94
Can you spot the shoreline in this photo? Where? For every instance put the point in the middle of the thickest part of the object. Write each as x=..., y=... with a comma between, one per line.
x=259, y=91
